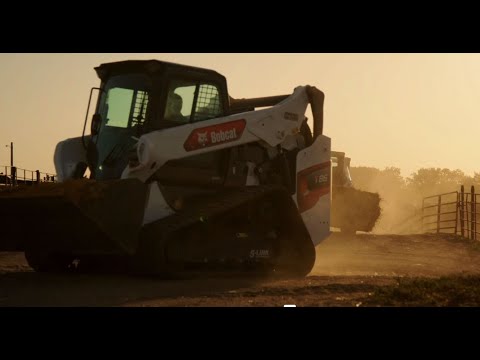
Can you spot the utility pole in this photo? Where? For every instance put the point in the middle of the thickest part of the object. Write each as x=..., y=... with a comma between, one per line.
x=13, y=171
x=11, y=153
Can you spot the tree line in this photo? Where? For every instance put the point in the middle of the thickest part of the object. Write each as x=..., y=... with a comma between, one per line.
x=423, y=182
x=401, y=197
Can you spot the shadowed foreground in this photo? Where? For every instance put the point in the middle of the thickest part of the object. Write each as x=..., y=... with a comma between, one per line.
x=365, y=270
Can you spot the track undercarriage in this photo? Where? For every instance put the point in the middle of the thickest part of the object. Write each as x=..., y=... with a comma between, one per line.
x=252, y=231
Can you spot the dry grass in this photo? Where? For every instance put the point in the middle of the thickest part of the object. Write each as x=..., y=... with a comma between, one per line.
x=446, y=291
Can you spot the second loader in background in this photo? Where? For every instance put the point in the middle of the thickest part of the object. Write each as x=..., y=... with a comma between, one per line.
x=352, y=209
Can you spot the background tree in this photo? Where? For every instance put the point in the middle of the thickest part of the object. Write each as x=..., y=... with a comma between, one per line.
x=432, y=181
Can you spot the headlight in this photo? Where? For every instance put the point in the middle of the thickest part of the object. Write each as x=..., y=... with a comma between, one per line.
x=141, y=152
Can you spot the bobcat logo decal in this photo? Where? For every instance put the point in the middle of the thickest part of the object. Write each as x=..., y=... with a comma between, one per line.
x=215, y=135
x=202, y=138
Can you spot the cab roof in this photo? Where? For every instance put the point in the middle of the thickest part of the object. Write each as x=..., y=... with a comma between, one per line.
x=149, y=66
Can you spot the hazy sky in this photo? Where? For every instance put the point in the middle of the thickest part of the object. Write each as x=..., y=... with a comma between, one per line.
x=403, y=110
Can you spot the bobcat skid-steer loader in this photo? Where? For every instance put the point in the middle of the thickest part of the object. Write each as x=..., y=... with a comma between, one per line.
x=177, y=176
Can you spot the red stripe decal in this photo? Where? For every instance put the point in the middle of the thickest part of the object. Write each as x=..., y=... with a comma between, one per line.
x=214, y=135
x=312, y=183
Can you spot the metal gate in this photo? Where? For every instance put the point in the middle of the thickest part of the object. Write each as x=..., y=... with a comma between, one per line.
x=440, y=213
x=453, y=213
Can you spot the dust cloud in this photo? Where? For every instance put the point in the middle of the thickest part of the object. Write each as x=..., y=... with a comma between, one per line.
x=400, y=206
x=401, y=212
x=402, y=198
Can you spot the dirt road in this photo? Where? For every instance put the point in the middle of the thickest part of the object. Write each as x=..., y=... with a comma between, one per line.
x=347, y=271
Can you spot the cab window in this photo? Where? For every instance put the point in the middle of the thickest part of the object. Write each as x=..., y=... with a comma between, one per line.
x=189, y=101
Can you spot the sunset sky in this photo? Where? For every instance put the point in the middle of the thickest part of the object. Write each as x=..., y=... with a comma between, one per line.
x=402, y=110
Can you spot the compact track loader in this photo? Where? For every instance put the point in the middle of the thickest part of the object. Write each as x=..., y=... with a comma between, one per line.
x=181, y=178
x=352, y=209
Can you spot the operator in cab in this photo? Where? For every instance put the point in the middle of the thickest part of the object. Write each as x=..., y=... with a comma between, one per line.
x=173, y=111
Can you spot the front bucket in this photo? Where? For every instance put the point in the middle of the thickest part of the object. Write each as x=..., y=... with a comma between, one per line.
x=354, y=209
x=77, y=216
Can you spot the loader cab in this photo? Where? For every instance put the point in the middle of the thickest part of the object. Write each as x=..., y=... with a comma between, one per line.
x=139, y=97
x=341, y=169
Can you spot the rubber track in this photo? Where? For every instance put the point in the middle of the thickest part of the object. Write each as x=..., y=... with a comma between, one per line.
x=207, y=207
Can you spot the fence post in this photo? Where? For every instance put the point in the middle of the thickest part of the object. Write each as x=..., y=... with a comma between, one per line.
x=423, y=214
x=38, y=176
x=462, y=197
x=475, y=202
x=13, y=171
x=472, y=210
x=438, y=212
x=456, y=215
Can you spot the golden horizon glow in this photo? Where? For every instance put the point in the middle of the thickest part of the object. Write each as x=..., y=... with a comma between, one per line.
x=403, y=110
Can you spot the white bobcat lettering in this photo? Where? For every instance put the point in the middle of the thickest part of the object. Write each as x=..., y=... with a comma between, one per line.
x=202, y=138
x=221, y=136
